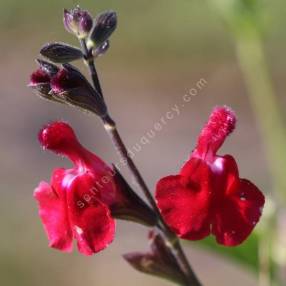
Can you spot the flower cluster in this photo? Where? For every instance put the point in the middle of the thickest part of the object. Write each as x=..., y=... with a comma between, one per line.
x=66, y=84
x=208, y=197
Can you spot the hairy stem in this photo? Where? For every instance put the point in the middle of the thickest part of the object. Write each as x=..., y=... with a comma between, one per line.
x=172, y=240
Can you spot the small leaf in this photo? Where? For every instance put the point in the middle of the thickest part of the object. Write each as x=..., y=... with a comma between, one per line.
x=61, y=52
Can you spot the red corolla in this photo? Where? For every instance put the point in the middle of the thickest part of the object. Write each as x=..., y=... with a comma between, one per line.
x=76, y=203
x=208, y=196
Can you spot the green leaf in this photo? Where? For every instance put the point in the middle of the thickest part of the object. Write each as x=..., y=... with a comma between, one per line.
x=245, y=254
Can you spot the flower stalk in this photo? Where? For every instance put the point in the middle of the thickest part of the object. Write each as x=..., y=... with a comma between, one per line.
x=89, y=61
x=171, y=239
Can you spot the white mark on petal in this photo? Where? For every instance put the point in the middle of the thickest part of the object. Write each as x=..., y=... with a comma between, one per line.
x=78, y=230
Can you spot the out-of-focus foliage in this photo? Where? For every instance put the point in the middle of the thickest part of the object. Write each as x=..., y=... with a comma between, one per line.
x=245, y=254
x=244, y=17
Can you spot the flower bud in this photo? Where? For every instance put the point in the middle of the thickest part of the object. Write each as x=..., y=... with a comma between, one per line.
x=78, y=22
x=159, y=261
x=105, y=24
x=70, y=86
x=40, y=80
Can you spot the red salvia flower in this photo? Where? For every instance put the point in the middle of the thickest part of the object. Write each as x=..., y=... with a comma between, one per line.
x=208, y=197
x=76, y=204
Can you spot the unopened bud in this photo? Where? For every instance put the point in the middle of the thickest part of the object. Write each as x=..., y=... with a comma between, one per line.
x=41, y=78
x=70, y=86
x=159, y=261
x=104, y=26
x=78, y=22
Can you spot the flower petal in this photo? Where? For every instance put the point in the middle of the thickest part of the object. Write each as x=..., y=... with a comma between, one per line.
x=185, y=205
x=239, y=210
x=53, y=213
x=93, y=225
x=94, y=229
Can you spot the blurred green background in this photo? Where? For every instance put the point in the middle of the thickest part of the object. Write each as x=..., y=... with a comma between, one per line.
x=159, y=51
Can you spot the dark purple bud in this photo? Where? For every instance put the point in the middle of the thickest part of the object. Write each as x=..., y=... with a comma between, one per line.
x=61, y=52
x=104, y=26
x=71, y=87
x=78, y=22
x=131, y=206
x=160, y=261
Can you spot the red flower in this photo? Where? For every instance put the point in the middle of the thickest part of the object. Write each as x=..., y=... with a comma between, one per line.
x=208, y=197
x=76, y=204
